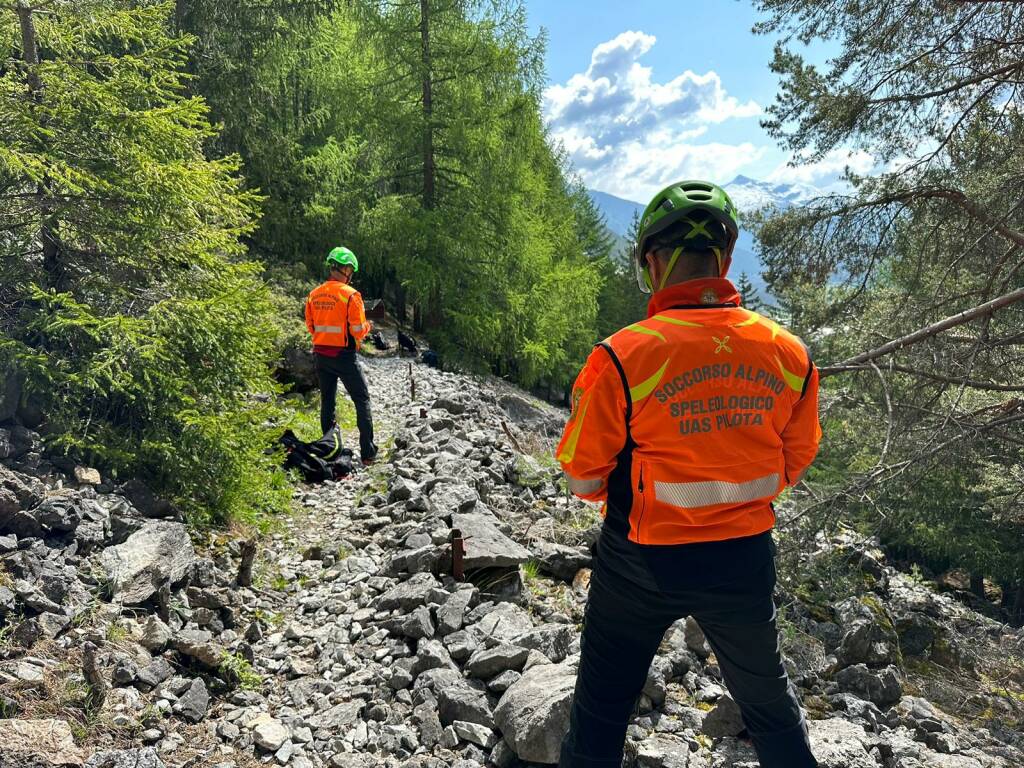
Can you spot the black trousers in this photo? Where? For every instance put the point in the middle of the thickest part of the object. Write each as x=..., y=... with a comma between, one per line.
x=624, y=626
x=346, y=367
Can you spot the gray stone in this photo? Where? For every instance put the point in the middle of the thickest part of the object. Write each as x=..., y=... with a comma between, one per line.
x=87, y=476
x=452, y=612
x=533, y=715
x=152, y=675
x=838, y=743
x=38, y=743
x=870, y=636
x=155, y=634
x=488, y=662
x=60, y=512
x=147, y=757
x=449, y=498
x=429, y=724
x=418, y=624
x=198, y=644
x=431, y=654
x=194, y=703
x=475, y=733
x=158, y=553
x=724, y=719
x=883, y=687
x=409, y=594
x=553, y=640
x=694, y=637
x=462, y=702
x=561, y=561
x=662, y=750
x=270, y=735
x=486, y=546
x=503, y=682
x=505, y=623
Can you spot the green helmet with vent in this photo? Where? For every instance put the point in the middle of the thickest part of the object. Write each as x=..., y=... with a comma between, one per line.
x=686, y=216
x=342, y=257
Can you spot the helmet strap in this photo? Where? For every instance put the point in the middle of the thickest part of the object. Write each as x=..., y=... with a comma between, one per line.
x=671, y=266
x=718, y=255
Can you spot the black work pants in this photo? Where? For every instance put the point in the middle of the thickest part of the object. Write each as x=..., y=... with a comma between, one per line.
x=624, y=626
x=346, y=367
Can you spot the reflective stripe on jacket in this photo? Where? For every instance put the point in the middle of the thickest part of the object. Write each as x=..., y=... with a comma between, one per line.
x=689, y=423
x=335, y=316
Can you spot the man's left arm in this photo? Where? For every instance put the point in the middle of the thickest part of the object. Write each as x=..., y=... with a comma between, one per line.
x=309, y=317
x=358, y=325
x=596, y=431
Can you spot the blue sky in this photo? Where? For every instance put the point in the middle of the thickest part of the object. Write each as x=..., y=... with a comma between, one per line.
x=642, y=93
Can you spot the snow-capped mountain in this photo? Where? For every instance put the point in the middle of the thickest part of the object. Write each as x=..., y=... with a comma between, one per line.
x=750, y=194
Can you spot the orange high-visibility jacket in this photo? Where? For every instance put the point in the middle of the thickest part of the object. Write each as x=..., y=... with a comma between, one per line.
x=688, y=424
x=335, y=315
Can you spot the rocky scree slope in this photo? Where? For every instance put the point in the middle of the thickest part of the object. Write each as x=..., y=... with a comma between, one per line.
x=126, y=644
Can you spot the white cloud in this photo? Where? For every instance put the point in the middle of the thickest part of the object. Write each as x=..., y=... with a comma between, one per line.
x=628, y=134
x=826, y=172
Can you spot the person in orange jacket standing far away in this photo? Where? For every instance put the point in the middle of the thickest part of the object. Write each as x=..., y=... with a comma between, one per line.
x=337, y=322
x=687, y=425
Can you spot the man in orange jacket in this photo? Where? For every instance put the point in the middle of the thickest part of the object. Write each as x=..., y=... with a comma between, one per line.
x=687, y=425
x=337, y=322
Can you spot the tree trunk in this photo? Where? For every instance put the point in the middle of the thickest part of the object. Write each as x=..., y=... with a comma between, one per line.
x=978, y=584
x=1017, y=614
x=429, y=170
x=52, y=263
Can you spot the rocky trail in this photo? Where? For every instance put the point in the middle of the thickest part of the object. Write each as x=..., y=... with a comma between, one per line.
x=127, y=643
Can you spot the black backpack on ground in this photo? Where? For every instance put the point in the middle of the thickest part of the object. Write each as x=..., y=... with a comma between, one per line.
x=378, y=340
x=323, y=459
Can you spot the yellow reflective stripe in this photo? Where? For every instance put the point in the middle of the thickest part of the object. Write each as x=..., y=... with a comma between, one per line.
x=337, y=446
x=327, y=328
x=642, y=390
x=796, y=383
x=357, y=328
x=674, y=321
x=775, y=330
x=752, y=320
x=637, y=328
x=569, y=451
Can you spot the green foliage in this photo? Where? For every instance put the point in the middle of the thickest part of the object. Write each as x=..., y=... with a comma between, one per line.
x=129, y=308
x=457, y=206
x=236, y=669
x=923, y=448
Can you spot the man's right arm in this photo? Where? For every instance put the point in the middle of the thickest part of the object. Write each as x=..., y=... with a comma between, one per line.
x=596, y=430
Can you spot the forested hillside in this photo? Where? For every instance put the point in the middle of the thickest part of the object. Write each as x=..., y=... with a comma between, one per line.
x=173, y=175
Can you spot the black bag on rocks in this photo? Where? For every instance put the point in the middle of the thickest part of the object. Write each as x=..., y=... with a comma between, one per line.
x=378, y=340
x=323, y=459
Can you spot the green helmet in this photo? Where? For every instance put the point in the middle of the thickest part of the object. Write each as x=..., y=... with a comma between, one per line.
x=343, y=257
x=706, y=218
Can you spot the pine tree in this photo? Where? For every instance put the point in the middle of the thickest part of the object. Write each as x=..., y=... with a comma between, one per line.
x=129, y=309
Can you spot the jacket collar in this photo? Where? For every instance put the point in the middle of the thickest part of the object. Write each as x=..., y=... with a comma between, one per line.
x=694, y=294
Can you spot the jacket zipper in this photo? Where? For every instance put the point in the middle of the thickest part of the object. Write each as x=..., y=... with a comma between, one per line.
x=643, y=503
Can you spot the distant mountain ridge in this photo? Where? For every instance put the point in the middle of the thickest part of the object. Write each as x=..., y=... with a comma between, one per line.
x=748, y=194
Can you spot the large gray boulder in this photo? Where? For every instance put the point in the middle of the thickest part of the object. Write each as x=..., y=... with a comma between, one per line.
x=486, y=546
x=38, y=744
x=158, y=552
x=838, y=743
x=664, y=750
x=533, y=715
x=882, y=687
x=561, y=561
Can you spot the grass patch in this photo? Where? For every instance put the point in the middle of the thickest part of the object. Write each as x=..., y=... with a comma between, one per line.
x=236, y=669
